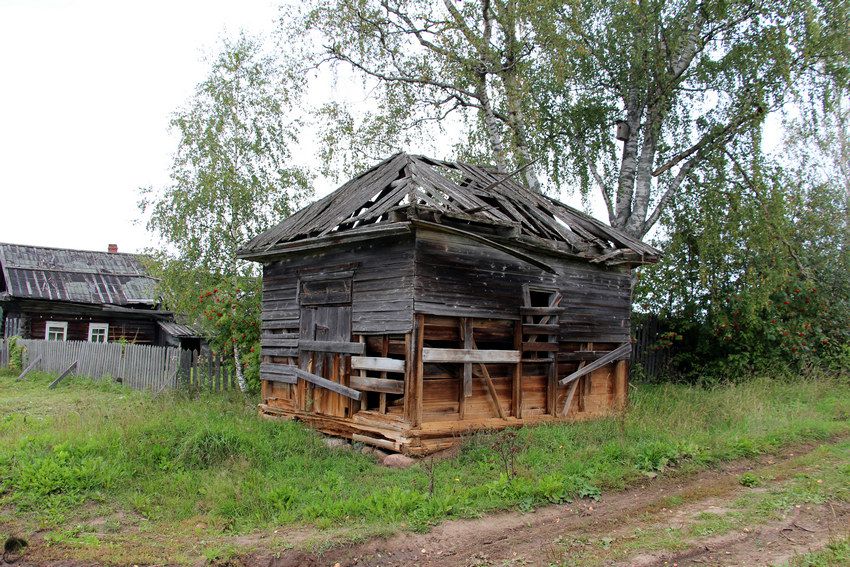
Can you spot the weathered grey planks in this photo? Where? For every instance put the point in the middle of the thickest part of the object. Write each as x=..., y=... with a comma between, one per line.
x=377, y=363
x=623, y=350
x=460, y=355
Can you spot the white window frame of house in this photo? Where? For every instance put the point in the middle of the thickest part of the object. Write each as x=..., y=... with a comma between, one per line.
x=56, y=324
x=99, y=327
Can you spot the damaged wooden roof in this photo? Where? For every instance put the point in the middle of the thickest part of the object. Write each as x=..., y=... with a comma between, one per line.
x=416, y=190
x=80, y=276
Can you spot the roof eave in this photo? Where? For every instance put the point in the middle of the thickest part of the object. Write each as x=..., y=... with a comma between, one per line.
x=267, y=254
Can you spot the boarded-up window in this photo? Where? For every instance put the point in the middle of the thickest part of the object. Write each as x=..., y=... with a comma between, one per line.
x=325, y=292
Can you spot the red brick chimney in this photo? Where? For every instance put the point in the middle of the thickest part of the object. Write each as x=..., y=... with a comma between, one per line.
x=112, y=249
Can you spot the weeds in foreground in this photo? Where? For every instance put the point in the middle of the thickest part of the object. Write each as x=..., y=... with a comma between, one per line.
x=175, y=460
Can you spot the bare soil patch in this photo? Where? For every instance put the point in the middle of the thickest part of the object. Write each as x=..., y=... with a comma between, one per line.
x=536, y=538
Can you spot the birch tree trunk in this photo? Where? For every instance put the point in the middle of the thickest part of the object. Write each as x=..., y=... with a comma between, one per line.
x=240, y=376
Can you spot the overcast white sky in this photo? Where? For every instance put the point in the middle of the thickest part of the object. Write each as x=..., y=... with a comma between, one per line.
x=86, y=91
x=87, y=88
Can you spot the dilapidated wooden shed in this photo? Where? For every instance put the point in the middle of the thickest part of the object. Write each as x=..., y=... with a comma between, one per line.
x=424, y=299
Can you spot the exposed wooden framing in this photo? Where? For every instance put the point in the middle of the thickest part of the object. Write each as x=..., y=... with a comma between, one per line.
x=569, y=398
x=516, y=386
x=455, y=355
x=382, y=385
x=586, y=355
x=332, y=346
x=377, y=364
x=409, y=373
x=442, y=255
x=419, y=329
x=382, y=396
x=467, y=326
x=598, y=363
x=362, y=340
x=327, y=384
x=491, y=388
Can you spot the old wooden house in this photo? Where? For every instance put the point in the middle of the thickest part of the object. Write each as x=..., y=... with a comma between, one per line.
x=81, y=295
x=424, y=299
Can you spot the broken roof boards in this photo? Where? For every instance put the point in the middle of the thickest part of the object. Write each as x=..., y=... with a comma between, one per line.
x=425, y=298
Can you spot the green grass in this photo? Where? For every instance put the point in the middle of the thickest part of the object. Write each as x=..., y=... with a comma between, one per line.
x=85, y=451
x=814, y=478
x=835, y=554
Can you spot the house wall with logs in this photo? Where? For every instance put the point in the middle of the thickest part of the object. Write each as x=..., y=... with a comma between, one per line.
x=443, y=291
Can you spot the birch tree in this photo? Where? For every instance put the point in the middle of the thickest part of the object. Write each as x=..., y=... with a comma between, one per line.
x=231, y=178
x=549, y=79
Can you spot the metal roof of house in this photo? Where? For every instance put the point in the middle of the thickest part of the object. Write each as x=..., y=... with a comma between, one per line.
x=178, y=330
x=80, y=276
x=479, y=200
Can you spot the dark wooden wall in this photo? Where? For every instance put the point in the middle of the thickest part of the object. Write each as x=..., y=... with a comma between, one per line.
x=460, y=277
x=382, y=287
x=139, y=329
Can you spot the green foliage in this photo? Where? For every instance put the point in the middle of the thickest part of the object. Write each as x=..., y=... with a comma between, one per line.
x=549, y=79
x=16, y=354
x=755, y=274
x=232, y=177
x=749, y=480
x=211, y=460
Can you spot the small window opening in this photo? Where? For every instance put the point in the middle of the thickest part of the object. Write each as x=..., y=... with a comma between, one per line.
x=56, y=331
x=98, y=332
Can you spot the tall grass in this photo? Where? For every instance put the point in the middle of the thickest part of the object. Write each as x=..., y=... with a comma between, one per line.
x=173, y=459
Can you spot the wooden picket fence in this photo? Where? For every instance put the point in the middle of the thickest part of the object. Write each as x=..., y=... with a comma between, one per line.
x=141, y=367
x=4, y=353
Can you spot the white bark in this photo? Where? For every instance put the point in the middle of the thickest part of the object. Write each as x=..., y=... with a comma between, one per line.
x=240, y=376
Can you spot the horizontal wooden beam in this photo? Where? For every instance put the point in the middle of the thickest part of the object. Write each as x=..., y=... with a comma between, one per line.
x=541, y=329
x=283, y=373
x=540, y=347
x=461, y=355
x=275, y=342
x=377, y=363
x=327, y=384
x=384, y=385
x=599, y=363
x=579, y=355
x=332, y=346
x=382, y=443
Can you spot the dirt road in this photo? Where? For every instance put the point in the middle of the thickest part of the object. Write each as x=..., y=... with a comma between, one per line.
x=705, y=519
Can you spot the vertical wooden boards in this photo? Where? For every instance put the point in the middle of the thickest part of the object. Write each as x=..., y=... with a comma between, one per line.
x=516, y=388
x=468, y=343
x=420, y=371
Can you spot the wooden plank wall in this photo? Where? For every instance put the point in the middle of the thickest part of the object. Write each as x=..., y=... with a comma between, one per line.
x=382, y=293
x=460, y=277
x=137, y=331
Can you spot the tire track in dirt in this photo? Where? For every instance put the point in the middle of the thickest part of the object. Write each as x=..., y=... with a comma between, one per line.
x=535, y=538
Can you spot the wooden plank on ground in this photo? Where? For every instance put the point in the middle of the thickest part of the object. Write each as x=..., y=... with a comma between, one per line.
x=460, y=356
x=599, y=363
x=29, y=368
x=62, y=376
